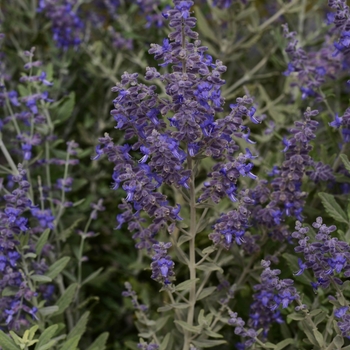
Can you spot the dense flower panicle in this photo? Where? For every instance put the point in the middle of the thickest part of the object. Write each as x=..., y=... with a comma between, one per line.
x=67, y=26
x=140, y=184
x=270, y=294
x=223, y=179
x=12, y=223
x=286, y=196
x=327, y=256
x=341, y=21
x=231, y=226
x=311, y=68
x=344, y=123
x=250, y=333
x=162, y=266
x=153, y=14
x=320, y=172
x=343, y=316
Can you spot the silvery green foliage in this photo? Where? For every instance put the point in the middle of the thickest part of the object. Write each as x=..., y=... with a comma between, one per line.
x=227, y=172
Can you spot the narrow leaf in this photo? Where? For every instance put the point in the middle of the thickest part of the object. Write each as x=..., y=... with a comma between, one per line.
x=346, y=162
x=40, y=278
x=48, y=310
x=7, y=343
x=71, y=344
x=282, y=344
x=80, y=327
x=206, y=292
x=207, y=343
x=165, y=342
x=66, y=298
x=46, y=336
x=99, y=343
x=184, y=325
x=42, y=241
x=48, y=345
x=92, y=276
x=57, y=267
x=186, y=285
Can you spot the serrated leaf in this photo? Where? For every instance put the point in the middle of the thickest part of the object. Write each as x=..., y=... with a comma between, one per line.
x=80, y=327
x=42, y=241
x=66, y=298
x=92, y=276
x=185, y=326
x=7, y=343
x=282, y=344
x=186, y=285
x=207, y=343
x=332, y=208
x=46, y=336
x=99, y=343
x=206, y=292
x=40, y=278
x=346, y=162
x=57, y=267
x=48, y=310
x=71, y=344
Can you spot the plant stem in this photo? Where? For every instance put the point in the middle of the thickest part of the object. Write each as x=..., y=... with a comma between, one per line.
x=192, y=254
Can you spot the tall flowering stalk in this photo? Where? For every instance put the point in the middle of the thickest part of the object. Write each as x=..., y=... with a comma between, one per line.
x=174, y=133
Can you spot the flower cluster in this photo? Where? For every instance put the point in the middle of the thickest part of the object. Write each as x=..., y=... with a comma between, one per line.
x=162, y=265
x=270, y=294
x=311, y=68
x=344, y=123
x=286, y=197
x=240, y=330
x=343, y=316
x=67, y=26
x=341, y=22
x=327, y=256
x=140, y=184
x=231, y=226
x=13, y=308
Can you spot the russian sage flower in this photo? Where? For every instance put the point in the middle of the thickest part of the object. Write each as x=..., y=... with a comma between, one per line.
x=269, y=295
x=327, y=256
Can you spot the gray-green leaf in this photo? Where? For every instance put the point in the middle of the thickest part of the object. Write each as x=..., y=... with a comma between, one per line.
x=7, y=343
x=46, y=336
x=66, y=298
x=57, y=267
x=99, y=343
x=333, y=208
